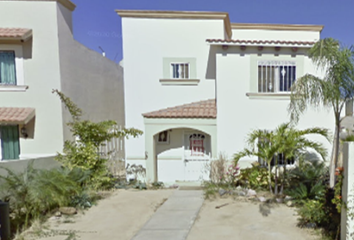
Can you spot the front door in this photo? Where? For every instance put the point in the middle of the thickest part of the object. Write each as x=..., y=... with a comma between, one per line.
x=196, y=156
x=10, y=147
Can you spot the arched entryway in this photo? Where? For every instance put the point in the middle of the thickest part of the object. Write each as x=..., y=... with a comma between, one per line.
x=182, y=154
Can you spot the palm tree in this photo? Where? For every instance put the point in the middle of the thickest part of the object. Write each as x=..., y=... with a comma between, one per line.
x=285, y=140
x=260, y=145
x=293, y=143
x=331, y=91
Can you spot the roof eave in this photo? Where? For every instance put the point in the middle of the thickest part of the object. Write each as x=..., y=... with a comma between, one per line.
x=284, y=27
x=260, y=44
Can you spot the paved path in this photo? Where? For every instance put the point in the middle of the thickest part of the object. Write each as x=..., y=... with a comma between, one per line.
x=174, y=219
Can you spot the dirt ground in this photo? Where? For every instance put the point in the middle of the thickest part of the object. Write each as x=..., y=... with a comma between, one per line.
x=247, y=220
x=120, y=216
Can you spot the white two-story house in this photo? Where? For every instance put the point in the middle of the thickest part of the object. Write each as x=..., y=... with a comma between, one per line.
x=197, y=84
x=38, y=54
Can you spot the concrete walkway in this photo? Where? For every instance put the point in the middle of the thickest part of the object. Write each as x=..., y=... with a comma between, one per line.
x=174, y=219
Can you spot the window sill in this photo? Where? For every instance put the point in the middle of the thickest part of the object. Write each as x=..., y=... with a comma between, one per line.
x=277, y=96
x=13, y=88
x=179, y=81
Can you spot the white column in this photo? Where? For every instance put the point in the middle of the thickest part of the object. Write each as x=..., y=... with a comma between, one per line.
x=347, y=224
x=151, y=162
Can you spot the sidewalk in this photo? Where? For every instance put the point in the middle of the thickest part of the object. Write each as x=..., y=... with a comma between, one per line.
x=174, y=219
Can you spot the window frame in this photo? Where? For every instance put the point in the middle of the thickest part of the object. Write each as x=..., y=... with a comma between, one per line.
x=19, y=70
x=180, y=63
x=276, y=77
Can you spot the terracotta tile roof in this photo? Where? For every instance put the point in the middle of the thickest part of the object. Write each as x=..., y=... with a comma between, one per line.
x=10, y=115
x=202, y=109
x=242, y=41
x=15, y=33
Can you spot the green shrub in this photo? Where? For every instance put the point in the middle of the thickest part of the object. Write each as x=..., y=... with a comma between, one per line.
x=255, y=177
x=308, y=181
x=89, y=136
x=34, y=192
x=313, y=211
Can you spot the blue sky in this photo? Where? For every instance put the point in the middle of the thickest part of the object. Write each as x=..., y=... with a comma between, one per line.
x=96, y=24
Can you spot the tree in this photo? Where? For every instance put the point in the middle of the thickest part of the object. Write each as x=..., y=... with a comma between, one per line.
x=331, y=91
x=83, y=152
x=285, y=140
x=293, y=143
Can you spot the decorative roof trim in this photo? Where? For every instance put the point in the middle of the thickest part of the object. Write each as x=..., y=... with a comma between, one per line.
x=179, y=14
x=243, y=42
x=265, y=26
x=66, y=3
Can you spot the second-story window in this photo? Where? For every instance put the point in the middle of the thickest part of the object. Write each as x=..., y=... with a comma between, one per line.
x=180, y=70
x=7, y=68
x=276, y=76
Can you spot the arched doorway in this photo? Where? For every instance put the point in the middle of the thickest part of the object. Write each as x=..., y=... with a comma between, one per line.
x=182, y=154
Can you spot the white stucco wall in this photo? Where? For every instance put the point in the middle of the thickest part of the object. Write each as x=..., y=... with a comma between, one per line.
x=40, y=70
x=146, y=42
x=92, y=81
x=239, y=114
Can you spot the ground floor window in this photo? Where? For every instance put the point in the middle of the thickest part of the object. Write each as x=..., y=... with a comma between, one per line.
x=10, y=146
x=278, y=160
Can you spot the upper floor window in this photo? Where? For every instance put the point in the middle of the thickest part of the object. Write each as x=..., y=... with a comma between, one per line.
x=276, y=76
x=180, y=70
x=7, y=68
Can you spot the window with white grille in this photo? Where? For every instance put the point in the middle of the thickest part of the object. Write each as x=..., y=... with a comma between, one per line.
x=276, y=76
x=180, y=70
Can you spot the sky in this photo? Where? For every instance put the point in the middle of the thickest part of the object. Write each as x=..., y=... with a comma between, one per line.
x=97, y=25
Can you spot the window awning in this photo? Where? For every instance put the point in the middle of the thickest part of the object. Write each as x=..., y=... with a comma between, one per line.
x=14, y=116
x=21, y=34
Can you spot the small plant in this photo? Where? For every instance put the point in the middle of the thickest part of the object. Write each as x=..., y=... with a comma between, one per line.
x=138, y=171
x=337, y=200
x=218, y=169
x=140, y=185
x=157, y=185
x=255, y=177
x=313, y=212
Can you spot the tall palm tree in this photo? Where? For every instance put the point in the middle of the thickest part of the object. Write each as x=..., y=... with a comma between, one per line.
x=285, y=140
x=331, y=91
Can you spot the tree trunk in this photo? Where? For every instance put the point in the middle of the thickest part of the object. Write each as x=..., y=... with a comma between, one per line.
x=270, y=178
x=284, y=177
x=334, y=157
x=276, y=180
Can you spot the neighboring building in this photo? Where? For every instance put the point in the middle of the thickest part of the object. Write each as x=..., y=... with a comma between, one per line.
x=38, y=54
x=213, y=81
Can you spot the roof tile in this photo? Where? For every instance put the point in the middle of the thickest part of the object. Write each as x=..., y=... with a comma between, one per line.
x=202, y=109
x=10, y=115
x=15, y=33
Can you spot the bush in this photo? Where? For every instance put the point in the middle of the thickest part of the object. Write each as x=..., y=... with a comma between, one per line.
x=313, y=212
x=308, y=182
x=33, y=193
x=255, y=177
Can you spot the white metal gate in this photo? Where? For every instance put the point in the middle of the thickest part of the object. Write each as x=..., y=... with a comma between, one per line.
x=196, y=156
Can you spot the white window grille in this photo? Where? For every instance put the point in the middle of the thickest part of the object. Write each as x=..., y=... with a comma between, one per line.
x=276, y=76
x=180, y=70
